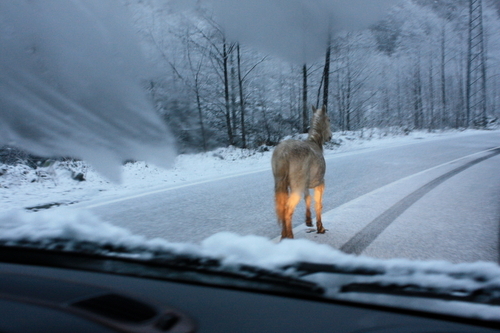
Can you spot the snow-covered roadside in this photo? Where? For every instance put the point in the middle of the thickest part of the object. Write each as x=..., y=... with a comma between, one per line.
x=23, y=187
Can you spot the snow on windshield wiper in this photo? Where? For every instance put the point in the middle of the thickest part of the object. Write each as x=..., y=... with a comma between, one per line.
x=425, y=282
x=486, y=295
x=146, y=262
x=308, y=268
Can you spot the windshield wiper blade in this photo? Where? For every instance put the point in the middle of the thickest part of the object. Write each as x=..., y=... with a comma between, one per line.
x=307, y=268
x=377, y=280
x=145, y=262
x=247, y=272
x=484, y=295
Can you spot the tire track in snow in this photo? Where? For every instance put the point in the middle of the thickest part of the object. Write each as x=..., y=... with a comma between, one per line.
x=370, y=232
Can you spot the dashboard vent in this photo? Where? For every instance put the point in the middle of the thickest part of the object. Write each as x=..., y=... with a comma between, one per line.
x=118, y=308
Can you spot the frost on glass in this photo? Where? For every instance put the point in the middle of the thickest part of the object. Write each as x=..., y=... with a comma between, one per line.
x=296, y=30
x=70, y=85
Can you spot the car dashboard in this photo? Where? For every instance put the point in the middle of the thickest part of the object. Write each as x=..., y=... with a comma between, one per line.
x=36, y=298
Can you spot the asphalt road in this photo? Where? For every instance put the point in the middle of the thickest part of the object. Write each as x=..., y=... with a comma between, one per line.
x=431, y=199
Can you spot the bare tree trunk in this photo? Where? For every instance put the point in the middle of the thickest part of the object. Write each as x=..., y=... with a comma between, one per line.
x=348, y=98
x=242, y=100
x=233, y=97
x=226, y=93
x=476, y=67
x=338, y=97
x=326, y=74
x=468, y=70
x=266, y=124
x=200, y=115
x=305, y=119
x=399, y=106
x=443, y=117
x=432, y=122
x=418, y=116
x=482, y=51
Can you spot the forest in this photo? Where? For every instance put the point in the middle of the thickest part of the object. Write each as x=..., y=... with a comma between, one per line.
x=424, y=65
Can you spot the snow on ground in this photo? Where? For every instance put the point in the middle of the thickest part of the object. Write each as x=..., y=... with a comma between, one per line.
x=24, y=187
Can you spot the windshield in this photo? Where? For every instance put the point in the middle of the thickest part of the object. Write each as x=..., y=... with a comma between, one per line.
x=358, y=134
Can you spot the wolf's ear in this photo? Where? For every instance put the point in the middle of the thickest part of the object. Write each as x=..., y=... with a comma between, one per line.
x=322, y=110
